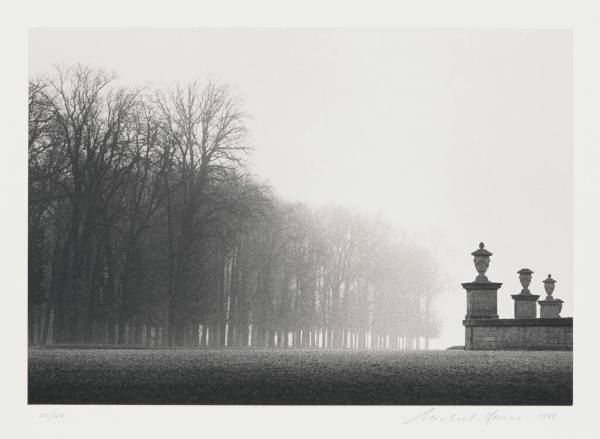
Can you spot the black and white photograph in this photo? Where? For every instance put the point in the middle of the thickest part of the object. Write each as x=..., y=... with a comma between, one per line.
x=298, y=216
x=268, y=224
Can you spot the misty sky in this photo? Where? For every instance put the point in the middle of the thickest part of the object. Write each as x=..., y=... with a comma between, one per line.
x=455, y=136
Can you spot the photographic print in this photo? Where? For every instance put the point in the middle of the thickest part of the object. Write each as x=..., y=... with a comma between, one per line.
x=270, y=216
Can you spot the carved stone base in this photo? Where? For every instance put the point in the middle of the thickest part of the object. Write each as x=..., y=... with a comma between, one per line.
x=482, y=300
x=550, y=309
x=525, y=306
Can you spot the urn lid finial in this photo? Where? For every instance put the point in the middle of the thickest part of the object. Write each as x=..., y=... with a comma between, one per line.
x=549, y=280
x=525, y=271
x=481, y=251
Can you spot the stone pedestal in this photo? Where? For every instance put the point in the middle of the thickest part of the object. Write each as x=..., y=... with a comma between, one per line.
x=525, y=305
x=519, y=334
x=482, y=299
x=550, y=309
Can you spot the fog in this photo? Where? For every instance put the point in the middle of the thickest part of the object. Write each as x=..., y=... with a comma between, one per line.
x=448, y=137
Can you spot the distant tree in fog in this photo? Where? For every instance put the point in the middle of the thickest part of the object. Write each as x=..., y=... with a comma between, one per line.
x=146, y=228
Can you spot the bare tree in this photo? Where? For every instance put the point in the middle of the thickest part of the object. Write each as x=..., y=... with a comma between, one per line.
x=146, y=228
x=206, y=130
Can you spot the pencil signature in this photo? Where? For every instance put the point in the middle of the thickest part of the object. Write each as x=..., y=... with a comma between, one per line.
x=488, y=417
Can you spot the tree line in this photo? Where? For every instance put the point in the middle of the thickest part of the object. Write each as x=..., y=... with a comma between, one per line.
x=146, y=227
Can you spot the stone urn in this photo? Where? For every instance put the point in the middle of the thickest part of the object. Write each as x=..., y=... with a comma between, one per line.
x=549, y=287
x=525, y=279
x=482, y=295
x=481, y=259
x=550, y=307
x=525, y=302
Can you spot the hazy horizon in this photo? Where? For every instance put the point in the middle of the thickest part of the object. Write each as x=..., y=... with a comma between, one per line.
x=455, y=136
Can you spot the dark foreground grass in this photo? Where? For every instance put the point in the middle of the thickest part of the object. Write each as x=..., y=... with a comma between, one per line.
x=61, y=376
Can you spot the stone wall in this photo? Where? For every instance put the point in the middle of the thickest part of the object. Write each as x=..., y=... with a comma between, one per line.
x=519, y=334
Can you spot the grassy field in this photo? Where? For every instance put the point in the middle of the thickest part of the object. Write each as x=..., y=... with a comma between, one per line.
x=103, y=376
